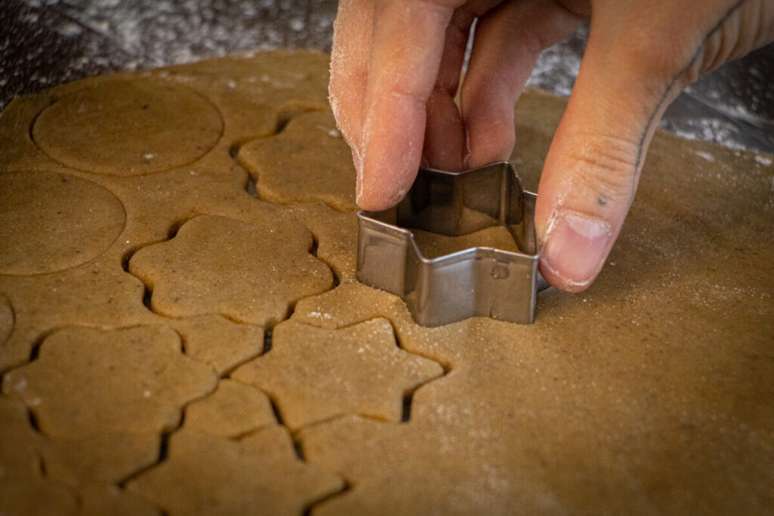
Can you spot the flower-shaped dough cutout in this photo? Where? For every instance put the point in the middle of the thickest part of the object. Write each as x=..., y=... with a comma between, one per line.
x=259, y=474
x=89, y=381
x=308, y=161
x=128, y=127
x=250, y=272
x=315, y=374
x=50, y=222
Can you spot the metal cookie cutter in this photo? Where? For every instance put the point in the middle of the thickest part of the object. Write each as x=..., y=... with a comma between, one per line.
x=479, y=281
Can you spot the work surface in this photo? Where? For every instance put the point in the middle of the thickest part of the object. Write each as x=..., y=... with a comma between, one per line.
x=180, y=329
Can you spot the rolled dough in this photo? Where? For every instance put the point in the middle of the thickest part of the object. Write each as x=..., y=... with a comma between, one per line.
x=172, y=274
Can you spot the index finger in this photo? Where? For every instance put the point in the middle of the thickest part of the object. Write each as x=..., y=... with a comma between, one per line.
x=407, y=46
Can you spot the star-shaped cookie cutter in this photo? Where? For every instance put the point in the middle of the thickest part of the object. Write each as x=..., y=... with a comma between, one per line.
x=479, y=281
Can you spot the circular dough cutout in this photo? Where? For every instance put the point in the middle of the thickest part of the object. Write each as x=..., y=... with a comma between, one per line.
x=50, y=222
x=128, y=127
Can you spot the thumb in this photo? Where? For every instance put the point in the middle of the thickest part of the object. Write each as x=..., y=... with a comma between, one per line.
x=593, y=165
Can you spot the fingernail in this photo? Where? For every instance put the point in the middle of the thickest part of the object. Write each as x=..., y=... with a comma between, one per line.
x=575, y=247
x=358, y=162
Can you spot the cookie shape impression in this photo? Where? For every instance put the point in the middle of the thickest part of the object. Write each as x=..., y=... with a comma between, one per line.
x=88, y=381
x=207, y=475
x=478, y=281
x=128, y=127
x=309, y=161
x=315, y=374
x=50, y=222
x=249, y=272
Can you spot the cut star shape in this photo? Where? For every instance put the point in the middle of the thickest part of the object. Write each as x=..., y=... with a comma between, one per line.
x=259, y=474
x=315, y=374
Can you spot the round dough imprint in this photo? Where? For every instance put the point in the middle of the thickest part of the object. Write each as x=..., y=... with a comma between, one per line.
x=128, y=127
x=50, y=222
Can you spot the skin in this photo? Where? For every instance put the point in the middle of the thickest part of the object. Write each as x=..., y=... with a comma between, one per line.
x=395, y=74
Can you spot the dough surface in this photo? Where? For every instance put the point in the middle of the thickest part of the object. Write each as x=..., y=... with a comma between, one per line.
x=129, y=127
x=182, y=333
x=44, y=226
x=87, y=381
x=377, y=372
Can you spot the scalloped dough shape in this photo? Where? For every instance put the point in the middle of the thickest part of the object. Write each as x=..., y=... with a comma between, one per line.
x=128, y=127
x=50, y=222
x=131, y=380
x=248, y=272
x=308, y=161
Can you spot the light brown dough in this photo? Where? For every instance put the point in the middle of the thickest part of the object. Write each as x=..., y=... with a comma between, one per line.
x=233, y=410
x=218, y=342
x=249, y=272
x=35, y=497
x=647, y=394
x=102, y=500
x=335, y=234
x=128, y=127
x=102, y=459
x=23, y=489
x=51, y=222
x=133, y=380
x=309, y=161
x=433, y=245
x=98, y=293
x=6, y=320
x=316, y=374
x=19, y=443
x=207, y=475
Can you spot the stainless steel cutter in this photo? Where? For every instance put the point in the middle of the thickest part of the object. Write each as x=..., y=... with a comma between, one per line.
x=480, y=281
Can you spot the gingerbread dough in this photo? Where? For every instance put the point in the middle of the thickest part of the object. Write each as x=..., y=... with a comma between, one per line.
x=233, y=410
x=316, y=374
x=129, y=127
x=207, y=475
x=306, y=162
x=44, y=226
x=647, y=394
x=132, y=380
x=248, y=272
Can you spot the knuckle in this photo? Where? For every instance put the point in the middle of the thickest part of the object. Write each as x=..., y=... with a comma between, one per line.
x=606, y=168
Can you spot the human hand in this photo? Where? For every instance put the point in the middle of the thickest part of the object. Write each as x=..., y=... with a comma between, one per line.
x=395, y=72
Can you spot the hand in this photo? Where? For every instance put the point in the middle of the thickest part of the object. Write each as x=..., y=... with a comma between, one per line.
x=395, y=72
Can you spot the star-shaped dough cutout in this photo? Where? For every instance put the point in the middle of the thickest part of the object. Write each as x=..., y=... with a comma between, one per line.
x=205, y=474
x=314, y=374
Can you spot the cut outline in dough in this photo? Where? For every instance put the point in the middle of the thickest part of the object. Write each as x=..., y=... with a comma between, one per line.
x=157, y=78
x=76, y=178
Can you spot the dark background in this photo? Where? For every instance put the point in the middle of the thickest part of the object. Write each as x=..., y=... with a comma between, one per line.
x=47, y=42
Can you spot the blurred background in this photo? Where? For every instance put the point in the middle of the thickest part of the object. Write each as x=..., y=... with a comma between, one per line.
x=48, y=42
